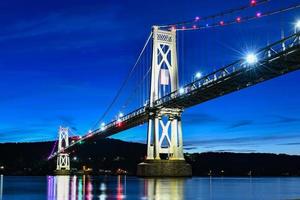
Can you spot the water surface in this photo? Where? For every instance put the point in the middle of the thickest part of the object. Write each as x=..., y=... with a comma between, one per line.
x=122, y=187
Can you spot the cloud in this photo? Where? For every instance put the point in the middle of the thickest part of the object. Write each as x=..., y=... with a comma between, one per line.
x=190, y=148
x=239, y=140
x=199, y=118
x=284, y=119
x=69, y=29
x=236, y=150
x=24, y=135
x=13, y=131
x=241, y=123
x=291, y=144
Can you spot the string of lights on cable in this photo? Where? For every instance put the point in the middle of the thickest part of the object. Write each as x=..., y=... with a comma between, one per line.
x=199, y=23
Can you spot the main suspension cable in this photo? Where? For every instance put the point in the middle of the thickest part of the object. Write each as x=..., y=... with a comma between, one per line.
x=124, y=83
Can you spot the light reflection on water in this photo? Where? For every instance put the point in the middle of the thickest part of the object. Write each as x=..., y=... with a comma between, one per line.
x=122, y=187
x=77, y=187
x=1, y=186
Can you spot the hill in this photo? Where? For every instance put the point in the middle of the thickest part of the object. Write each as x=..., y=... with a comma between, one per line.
x=111, y=154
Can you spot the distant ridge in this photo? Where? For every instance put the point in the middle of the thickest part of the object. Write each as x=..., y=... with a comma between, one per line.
x=111, y=154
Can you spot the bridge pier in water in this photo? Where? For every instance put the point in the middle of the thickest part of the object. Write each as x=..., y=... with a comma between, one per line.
x=164, y=141
x=63, y=159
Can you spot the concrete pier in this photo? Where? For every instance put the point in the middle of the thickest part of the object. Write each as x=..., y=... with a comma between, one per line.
x=164, y=168
x=62, y=172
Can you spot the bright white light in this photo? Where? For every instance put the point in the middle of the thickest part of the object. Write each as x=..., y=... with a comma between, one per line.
x=297, y=24
x=103, y=126
x=181, y=91
x=75, y=158
x=251, y=58
x=146, y=103
x=90, y=131
x=198, y=75
x=121, y=114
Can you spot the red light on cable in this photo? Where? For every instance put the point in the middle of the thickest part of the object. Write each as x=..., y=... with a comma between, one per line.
x=222, y=23
x=194, y=26
x=253, y=2
x=238, y=19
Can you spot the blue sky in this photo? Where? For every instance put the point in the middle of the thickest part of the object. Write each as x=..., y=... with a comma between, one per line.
x=61, y=62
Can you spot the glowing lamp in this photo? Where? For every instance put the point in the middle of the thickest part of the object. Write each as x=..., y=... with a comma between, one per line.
x=251, y=59
x=238, y=19
x=297, y=26
x=119, y=123
x=194, y=26
x=198, y=75
x=258, y=14
x=221, y=23
x=181, y=91
x=121, y=114
x=253, y=2
x=197, y=18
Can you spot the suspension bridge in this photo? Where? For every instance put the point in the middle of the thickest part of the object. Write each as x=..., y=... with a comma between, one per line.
x=165, y=100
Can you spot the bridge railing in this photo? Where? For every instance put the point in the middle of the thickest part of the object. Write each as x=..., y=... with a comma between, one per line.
x=124, y=118
x=221, y=74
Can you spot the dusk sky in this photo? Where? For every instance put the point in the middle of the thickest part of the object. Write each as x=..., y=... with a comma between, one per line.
x=62, y=62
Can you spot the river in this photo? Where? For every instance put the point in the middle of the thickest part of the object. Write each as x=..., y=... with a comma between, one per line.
x=127, y=187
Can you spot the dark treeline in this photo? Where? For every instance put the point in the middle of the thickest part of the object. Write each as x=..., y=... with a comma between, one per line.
x=110, y=154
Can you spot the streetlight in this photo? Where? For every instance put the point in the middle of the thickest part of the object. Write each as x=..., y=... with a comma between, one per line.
x=297, y=26
x=181, y=91
x=297, y=29
x=198, y=75
x=102, y=126
x=251, y=59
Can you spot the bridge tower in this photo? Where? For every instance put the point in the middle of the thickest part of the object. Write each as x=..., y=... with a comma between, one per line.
x=164, y=139
x=63, y=159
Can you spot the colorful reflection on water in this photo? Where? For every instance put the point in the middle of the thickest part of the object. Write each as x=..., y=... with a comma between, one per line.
x=109, y=187
x=122, y=187
x=1, y=186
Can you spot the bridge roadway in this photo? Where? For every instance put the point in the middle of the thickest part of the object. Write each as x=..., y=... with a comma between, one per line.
x=274, y=60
